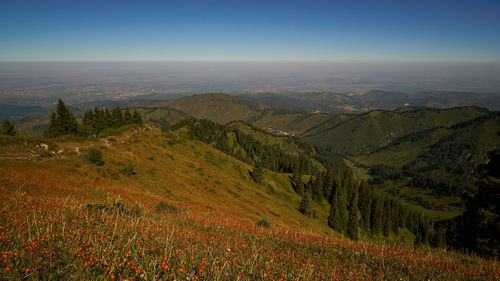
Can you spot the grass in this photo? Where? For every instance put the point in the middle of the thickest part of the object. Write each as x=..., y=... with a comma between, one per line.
x=83, y=226
x=437, y=208
x=218, y=107
x=68, y=240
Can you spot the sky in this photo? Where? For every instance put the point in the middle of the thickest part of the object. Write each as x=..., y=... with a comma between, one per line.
x=399, y=30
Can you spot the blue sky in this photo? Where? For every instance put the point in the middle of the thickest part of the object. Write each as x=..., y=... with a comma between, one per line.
x=253, y=30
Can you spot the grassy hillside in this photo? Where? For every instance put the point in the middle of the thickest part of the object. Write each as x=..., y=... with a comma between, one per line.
x=170, y=166
x=223, y=109
x=284, y=142
x=291, y=122
x=220, y=108
x=479, y=133
x=33, y=124
x=163, y=206
x=262, y=136
x=161, y=117
x=366, y=132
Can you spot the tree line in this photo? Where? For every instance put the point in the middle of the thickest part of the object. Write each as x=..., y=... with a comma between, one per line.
x=63, y=121
x=246, y=147
x=354, y=206
x=477, y=229
x=358, y=206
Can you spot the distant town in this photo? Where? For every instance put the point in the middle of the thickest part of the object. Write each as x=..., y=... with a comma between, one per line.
x=278, y=132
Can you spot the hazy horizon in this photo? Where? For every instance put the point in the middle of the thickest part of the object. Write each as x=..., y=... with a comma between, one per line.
x=76, y=81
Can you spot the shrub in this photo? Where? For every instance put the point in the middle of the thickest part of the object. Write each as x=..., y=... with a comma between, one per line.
x=305, y=205
x=128, y=170
x=264, y=222
x=94, y=156
x=257, y=174
x=164, y=207
x=113, y=208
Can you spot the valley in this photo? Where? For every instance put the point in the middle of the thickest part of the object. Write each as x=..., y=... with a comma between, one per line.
x=183, y=210
x=402, y=178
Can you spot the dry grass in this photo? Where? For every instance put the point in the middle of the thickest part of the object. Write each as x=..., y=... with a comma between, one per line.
x=63, y=218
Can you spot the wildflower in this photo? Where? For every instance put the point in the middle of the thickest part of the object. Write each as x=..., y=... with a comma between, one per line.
x=164, y=265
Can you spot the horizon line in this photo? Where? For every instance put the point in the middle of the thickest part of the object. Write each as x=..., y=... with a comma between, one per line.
x=263, y=61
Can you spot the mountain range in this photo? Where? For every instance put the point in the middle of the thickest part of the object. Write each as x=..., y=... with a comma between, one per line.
x=217, y=184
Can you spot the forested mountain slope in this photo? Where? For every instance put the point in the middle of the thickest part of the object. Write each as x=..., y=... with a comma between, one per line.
x=366, y=132
x=205, y=201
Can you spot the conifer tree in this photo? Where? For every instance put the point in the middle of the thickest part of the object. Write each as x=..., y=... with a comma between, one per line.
x=297, y=183
x=258, y=173
x=99, y=122
x=54, y=129
x=88, y=122
x=107, y=118
x=333, y=217
x=8, y=128
x=395, y=215
x=386, y=218
x=127, y=117
x=364, y=204
x=353, y=225
x=62, y=122
x=305, y=205
x=116, y=117
x=342, y=206
x=317, y=187
x=377, y=213
x=338, y=213
x=328, y=184
x=66, y=119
